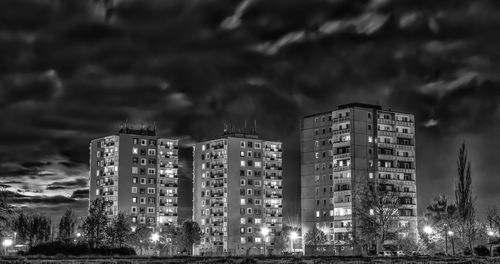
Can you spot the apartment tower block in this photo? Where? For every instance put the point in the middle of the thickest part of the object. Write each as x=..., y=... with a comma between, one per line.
x=345, y=151
x=137, y=172
x=237, y=193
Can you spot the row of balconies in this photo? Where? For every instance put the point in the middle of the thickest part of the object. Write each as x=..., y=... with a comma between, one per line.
x=169, y=165
x=169, y=184
x=168, y=204
x=168, y=194
x=275, y=195
x=167, y=214
x=274, y=215
x=273, y=205
x=388, y=133
x=272, y=149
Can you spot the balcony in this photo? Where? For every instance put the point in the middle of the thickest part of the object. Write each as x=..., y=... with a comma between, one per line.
x=385, y=121
x=342, y=180
x=217, y=166
x=395, y=169
x=272, y=177
x=342, y=217
x=341, y=131
x=217, y=195
x=217, y=214
x=342, y=205
x=216, y=175
x=273, y=149
x=217, y=185
x=217, y=204
x=408, y=123
x=167, y=194
x=168, y=214
x=395, y=146
x=341, y=155
x=171, y=165
x=341, y=168
x=276, y=195
x=273, y=168
x=169, y=184
x=340, y=119
x=168, y=204
x=274, y=215
x=217, y=233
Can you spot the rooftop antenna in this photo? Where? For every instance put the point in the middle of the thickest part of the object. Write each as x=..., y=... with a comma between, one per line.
x=255, y=125
x=245, y=129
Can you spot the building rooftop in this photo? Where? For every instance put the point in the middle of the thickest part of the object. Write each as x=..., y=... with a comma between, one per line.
x=137, y=129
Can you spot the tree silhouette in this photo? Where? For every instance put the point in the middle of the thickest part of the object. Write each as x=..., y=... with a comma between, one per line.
x=94, y=225
x=463, y=198
x=315, y=237
x=67, y=226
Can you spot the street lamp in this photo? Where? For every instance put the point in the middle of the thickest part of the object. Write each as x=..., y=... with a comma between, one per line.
x=155, y=237
x=293, y=236
x=7, y=243
x=264, y=232
x=450, y=233
x=428, y=230
x=446, y=239
x=490, y=235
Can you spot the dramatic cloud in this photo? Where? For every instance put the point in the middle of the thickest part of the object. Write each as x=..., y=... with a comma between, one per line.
x=72, y=71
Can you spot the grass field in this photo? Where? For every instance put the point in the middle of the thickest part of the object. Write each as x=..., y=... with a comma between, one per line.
x=239, y=260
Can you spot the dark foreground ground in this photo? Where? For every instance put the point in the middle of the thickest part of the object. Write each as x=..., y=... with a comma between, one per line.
x=240, y=260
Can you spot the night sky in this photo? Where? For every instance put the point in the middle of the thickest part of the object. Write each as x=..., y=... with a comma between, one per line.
x=71, y=71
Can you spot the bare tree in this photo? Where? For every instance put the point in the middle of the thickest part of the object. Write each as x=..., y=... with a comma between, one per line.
x=463, y=198
x=493, y=217
x=379, y=215
x=315, y=237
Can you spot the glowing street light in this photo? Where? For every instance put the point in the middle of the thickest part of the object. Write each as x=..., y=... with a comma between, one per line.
x=450, y=233
x=490, y=235
x=7, y=243
x=293, y=236
x=264, y=232
x=428, y=230
x=155, y=237
x=78, y=234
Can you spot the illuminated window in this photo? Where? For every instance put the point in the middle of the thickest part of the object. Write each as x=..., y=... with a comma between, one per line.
x=135, y=151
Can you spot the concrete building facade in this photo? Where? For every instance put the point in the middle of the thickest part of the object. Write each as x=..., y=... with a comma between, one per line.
x=343, y=153
x=237, y=193
x=137, y=172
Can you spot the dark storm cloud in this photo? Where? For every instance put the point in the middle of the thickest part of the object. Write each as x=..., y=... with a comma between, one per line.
x=48, y=200
x=77, y=183
x=73, y=70
x=81, y=193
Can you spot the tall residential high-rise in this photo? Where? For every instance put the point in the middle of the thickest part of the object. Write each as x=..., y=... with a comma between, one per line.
x=343, y=153
x=237, y=193
x=137, y=171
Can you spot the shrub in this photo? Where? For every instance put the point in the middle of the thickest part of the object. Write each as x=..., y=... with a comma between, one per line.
x=59, y=249
x=249, y=261
x=482, y=251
